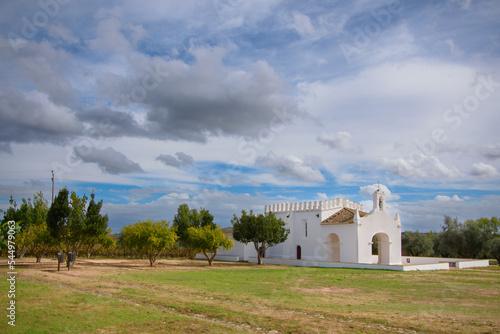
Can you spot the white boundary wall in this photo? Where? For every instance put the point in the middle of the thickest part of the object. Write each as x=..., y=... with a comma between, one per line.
x=437, y=264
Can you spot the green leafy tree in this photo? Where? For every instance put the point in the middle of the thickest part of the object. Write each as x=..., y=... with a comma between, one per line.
x=9, y=215
x=263, y=231
x=416, y=244
x=208, y=239
x=35, y=237
x=186, y=218
x=477, y=238
x=494, y=247
x=103, y=243
x=206, y=219
x=77, y=221
x=20, y=216
x=42, y=241
x=451, y=240
x=182, y=221
x=58, y=221
x=96, y=227
x=491, y=226
x=148, y=238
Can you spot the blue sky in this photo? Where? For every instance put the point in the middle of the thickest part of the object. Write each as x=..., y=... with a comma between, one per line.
x=233, y=104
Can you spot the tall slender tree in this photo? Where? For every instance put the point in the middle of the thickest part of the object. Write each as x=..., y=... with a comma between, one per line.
x=96, y=226
x=58, y=221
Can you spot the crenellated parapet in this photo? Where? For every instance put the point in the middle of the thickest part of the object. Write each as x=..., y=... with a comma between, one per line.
x=313, y=206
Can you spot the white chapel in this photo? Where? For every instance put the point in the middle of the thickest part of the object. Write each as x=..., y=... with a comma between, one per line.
x=337, y=230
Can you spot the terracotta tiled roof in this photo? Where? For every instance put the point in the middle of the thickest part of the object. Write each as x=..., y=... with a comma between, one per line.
x=344, y=216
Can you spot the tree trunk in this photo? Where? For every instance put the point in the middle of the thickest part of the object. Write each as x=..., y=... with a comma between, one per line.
x=20, y=252
x=152, y=259
x=68, y=262
x=261, y=252
x=211, y=260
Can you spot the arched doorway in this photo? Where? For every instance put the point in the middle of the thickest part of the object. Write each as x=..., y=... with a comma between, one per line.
x=381, y=247
x=299, y=252
x=333, y=247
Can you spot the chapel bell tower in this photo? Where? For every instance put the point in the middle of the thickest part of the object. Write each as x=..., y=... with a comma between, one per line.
x=378, y=200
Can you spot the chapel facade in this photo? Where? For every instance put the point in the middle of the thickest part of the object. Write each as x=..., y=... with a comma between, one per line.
x=337, y=230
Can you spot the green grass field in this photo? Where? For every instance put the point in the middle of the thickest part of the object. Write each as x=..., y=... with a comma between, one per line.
x=185, y=296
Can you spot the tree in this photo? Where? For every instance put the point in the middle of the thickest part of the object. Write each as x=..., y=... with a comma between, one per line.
x=96, y=226
x=37, y=236
x=206, y=219
x=263, y=231
x=149, y=238
x=186, y=218
x=77, y=221
x=492, y=225
x=477, y=237
x=451, y=240
x=58, y=221
x=42, y=241
x=207, y=239
x=416, y=244
x=495, y=249
x=14, y=213
x=32, y=235
x=182, y=221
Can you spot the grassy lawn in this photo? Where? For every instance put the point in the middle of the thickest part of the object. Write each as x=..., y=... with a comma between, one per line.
x=180, y=296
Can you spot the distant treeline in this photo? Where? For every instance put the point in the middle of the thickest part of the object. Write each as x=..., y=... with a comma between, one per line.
x=476, y=239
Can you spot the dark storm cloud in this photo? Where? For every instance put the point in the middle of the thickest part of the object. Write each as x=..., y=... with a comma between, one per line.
x=108, y=160
x=32, y=117
x=192, y=102
x=110, y=123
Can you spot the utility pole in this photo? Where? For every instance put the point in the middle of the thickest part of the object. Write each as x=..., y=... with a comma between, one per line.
x=52, y=187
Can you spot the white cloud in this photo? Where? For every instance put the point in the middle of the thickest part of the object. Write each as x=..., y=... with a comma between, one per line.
x=302, y=24
x=420, y=166
x=444, y=198
x=110, y=37
x=321, y=196
x=483, y=170
x=370, y=189
x=290, y=165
